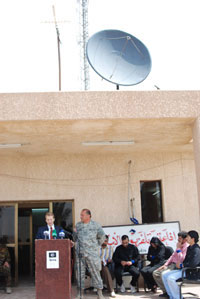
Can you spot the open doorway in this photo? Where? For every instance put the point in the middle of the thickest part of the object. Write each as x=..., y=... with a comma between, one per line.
x=30, y=218
x=19, y=222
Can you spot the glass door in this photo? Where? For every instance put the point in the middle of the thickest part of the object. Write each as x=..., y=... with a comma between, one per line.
x=9, y=233
x=24, y=243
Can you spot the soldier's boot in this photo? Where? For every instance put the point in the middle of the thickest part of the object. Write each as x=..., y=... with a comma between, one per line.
x=8, y=290
x=99, y=294
x=80, y=294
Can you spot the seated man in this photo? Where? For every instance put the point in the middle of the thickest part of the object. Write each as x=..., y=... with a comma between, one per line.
x=170, y=264
x=106, y=253
x=5, y=265
x=192, y=259
x=49, y=228
x=126, y=257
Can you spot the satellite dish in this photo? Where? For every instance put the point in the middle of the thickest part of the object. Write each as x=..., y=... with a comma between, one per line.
x=118, y=57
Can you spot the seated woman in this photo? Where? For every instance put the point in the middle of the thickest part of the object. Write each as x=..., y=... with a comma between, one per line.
x=156, y=256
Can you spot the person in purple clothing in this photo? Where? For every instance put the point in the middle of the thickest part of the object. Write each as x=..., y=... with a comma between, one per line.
x=170, y=264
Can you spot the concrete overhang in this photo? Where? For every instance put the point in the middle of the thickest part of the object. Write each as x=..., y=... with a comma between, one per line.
x=58, y=123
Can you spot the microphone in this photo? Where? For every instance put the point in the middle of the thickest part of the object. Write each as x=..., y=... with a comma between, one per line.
x=61, y=234
x=46, y=234
x=54, y=234
x=68, y=234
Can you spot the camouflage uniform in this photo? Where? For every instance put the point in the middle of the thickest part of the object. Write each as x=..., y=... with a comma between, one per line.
x=89, y=237
x=5, y=257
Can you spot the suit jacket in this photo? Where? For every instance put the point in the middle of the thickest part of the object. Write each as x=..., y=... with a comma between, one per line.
x=42, y=229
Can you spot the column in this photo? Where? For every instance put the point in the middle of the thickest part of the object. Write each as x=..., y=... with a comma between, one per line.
x=196, y=145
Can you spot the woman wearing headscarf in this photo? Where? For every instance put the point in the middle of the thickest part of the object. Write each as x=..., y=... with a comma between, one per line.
x=156, y=256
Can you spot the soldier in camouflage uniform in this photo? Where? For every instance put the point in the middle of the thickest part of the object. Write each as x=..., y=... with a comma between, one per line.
x=5, y=266
x=89, y=236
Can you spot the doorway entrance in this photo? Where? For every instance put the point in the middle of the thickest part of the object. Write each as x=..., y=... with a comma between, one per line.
x=29, y=219
x=19, y=223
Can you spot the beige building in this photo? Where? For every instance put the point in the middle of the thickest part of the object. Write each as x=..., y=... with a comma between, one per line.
x=54, y=170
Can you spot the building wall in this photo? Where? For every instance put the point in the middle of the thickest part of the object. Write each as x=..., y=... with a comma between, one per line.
x=100, y=183
x=99, y=105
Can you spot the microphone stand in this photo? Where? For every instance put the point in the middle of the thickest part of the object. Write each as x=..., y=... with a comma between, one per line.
x=80, y=260
x=46, y=234
x=80, y=256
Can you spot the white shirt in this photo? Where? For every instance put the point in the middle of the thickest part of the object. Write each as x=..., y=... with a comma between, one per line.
x=106, y=254
x=49, y=228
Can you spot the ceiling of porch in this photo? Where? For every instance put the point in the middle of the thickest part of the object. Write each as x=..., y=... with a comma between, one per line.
x=57, y=137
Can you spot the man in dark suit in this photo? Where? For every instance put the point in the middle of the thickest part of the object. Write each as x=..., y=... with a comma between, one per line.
x=50, y=228
x=126, y=258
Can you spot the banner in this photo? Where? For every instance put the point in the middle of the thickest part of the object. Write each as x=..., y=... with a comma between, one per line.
x=141, y=234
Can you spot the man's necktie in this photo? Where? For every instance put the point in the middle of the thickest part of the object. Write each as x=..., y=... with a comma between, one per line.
x=51, y=231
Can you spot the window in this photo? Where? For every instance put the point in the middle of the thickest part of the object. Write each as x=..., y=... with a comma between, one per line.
x=151, y=201
x=7, y=224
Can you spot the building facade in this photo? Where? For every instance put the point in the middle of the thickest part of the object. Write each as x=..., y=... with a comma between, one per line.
x=55, y=169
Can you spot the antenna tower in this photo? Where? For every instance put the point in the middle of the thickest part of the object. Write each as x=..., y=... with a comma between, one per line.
x=83, y=38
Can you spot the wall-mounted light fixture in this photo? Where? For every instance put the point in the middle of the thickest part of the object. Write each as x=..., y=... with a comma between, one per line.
x=10, y=145
x=96, y=143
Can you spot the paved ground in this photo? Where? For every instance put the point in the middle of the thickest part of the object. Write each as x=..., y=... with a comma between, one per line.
x=27, y=291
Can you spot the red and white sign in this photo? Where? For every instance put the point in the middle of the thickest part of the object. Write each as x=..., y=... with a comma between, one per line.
x=141, y=234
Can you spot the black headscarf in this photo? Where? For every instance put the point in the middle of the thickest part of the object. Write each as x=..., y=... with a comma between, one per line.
x=156, y=241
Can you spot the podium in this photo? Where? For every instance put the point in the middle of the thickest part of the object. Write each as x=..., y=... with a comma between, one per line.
x=53, y=269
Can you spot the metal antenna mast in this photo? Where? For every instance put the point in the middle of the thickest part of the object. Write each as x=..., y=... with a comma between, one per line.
x=83, y=38
x=58, y=42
